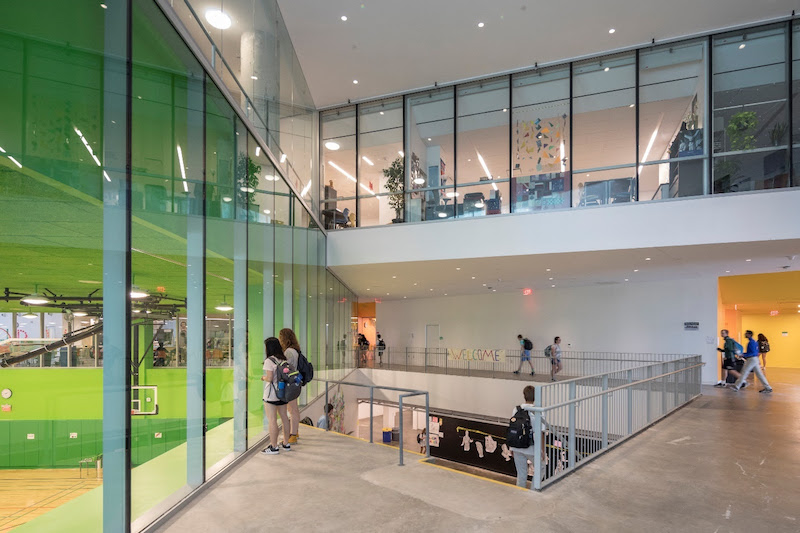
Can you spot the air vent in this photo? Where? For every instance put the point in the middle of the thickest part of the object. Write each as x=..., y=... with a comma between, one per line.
x=607, y=283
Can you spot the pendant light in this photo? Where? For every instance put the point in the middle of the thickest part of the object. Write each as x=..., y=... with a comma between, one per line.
x=35, y=298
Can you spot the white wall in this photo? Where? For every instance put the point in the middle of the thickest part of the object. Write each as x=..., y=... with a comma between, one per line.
x=680, y=222
x=629, y=317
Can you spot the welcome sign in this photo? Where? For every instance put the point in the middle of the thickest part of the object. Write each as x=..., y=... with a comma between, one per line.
x=476, y=354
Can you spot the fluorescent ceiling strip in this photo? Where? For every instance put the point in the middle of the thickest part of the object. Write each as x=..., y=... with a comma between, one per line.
x=650, y=144
x=15, y=162
x=563, y=160
x=365, y=158
x=258, y=151
x=340, y=169
x=366, y=189
x=183, y=170
x=87, y=145
x=494, y=186
x=483, y=164
x=1, y=150
x=105, y=175
x=283, y=158
x=306, y=189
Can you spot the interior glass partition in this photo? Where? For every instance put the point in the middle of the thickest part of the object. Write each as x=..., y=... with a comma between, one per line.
x=482, y=151
x=751, y=120
x=795, y=104
x=430, y=146
x=381, y=162
x=540, y=149
x=338, y=167
x=604, y=131
x=672, y=132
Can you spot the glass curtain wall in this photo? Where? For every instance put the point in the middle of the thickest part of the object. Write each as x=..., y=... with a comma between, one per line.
x=795, y=132
x=381, y=162
x=541, y=140
x=751, y=110
x=482, y=153
x=338, y=167
x=159, y=386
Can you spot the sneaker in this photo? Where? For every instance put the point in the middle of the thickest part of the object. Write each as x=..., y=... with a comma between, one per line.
x=552, y=379
x=533, y=373
x=286, y=447
x=269, y=450
x=516, y=371
x=744, y=385
x=720, y=384
x=766, y=391
x=292, y=439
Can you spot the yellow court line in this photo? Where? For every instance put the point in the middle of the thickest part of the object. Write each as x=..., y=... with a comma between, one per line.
x=425, y=461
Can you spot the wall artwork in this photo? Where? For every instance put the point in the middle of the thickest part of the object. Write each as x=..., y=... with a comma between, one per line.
x=540, y=140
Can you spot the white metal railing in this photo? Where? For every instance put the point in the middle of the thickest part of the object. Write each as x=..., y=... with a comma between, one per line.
x=581, y=418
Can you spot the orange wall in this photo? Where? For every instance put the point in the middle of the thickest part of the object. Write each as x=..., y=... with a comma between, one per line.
x=784, y=351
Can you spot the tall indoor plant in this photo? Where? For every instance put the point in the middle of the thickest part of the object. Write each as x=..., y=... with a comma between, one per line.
x=395, y=181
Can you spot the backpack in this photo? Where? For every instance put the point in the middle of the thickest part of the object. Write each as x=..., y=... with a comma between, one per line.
x=527, y=344
x=737, y=348
x=381, y=345
x=305, y=368
x=764, y=348
x=548, y=352
x=287, y=382
x=519, y=430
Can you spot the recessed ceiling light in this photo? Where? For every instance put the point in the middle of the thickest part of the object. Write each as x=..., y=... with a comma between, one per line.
x=344, y=18
x=606, y=69
x=404, y=297
x=419, y=181
x=548, y=270
x=741, y=46
x=748, y=260
x=728, y=272
x=247, y=189
x=551, y=279
x=430, y=289
x=612, y=30
x=636, y=270
x=226, y=198
x=505, y=110
x=626, y=279
x=458, y=268
x=253, y=77
x=484, y=284
x=387, y=294
x=481, y=24
x=330, y=145
x=647, y=259
x=400, y=153
x=429, y=138
x=552, y=285
x=367, y=288
x=355, y=82
x=266, y=211
x=103, y=6
x=442, y=214
x=632, y=105
x=415, y=284
x=381, y=112
x=218, y=19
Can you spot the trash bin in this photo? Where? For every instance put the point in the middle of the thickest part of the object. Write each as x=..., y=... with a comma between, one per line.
x=387, y=435
x=396, y=434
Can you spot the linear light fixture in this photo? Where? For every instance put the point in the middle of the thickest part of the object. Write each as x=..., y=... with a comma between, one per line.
x=367, y=189
x=283, y=158
x=343, y=171
x=15, y=161
x=258, y=151
x=87, y=145
x=306, y=189
x=650, y=144
x=183, y=170
x=483, y=164
x=367, y=160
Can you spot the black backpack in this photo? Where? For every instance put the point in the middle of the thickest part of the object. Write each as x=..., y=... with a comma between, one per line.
x=519, y=429
x=305, y=368
x=527, y=344
x=287, y=382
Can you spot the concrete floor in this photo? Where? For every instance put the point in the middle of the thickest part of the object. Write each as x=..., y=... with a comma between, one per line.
x=728, y=462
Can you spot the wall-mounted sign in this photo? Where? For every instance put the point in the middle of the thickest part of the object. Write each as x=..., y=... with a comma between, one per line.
x=691, y=326
x=774, y=312
x=31, y=436
x=785, y=333
x=527, y=292
x=73, y=435
x=158, y=435
x=476, y=354
x=6, y=408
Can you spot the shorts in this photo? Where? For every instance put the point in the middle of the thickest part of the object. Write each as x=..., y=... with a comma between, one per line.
x=728, y=364
x=555, y=361
x=526, y=355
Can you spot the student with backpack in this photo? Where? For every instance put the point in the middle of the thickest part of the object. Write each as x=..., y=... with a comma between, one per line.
x=751, y=365
x=730, y=351
x=380, y=347
x=520, y=437
x=763, y=348
x=298, y=361
x=277, y=375
x=554, y=353
x=525, y=353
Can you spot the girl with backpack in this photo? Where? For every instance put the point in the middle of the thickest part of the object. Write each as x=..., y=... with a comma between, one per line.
x=291, y=349
x=272, y=403
x=763, y=348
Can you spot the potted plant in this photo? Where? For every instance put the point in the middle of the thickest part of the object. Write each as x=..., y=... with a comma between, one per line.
x=777, y=132
x=395, y=181
x=247, y=182
x=741, y=130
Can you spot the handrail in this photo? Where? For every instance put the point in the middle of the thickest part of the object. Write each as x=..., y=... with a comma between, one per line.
x=607, y=391
x=408, y=393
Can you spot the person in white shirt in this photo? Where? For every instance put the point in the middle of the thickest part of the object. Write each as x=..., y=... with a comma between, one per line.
x=291, y=349
x=555, y=358
x=522, y=455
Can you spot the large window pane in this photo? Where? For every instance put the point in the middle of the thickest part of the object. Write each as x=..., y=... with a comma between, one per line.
x=338, y=167
x=483, y=151
x=604, y=117
x=751, y=122
x=429, y=140
x=672, y=90
x=380, y=146
x=796, y=103
x=540, y=142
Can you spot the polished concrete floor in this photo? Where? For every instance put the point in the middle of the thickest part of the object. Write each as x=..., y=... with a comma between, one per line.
x=727, y=462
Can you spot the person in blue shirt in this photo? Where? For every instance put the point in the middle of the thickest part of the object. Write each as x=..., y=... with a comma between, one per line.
x=322, y=423
x=752, y=365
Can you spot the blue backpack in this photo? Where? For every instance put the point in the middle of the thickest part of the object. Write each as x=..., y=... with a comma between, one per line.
x=737, y=348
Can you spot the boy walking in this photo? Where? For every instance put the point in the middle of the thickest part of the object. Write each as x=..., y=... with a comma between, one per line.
x=526, y=346
x=728, y=359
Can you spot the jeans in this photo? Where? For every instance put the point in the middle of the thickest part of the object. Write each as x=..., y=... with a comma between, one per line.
x=751, y=364
x=521, y=462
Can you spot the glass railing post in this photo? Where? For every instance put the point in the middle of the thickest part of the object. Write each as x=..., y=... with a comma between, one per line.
x=401, y=429
x=427, y=426
x=326, y=404
x=605, y=413
x=572, y=422
x=536, y=483
x=371, y=403
x=630, y=402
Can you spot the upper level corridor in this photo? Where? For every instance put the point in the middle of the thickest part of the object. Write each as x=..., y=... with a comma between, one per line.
x=725, y=462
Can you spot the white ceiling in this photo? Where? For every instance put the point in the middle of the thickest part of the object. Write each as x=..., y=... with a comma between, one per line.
x=391, y=46
x=427, y=279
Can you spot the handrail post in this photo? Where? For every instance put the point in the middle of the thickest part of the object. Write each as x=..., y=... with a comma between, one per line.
x=371, y=403
x=675, y=381
x=664, y=380
x=630, y=403
x=445, y=364
x=406, y=358
x=536, y=483
x=572, y=422
x=427, y=426
x=649, y=390
x=401, y=430
x=426, y=360
x=326, y=405
x=604, y=443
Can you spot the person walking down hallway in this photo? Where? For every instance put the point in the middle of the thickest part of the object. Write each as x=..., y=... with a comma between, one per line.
x=751, y=365
x=526, y=346
x=763, y=348
x=728, y=360
x=555, y=358
x=524, y=454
